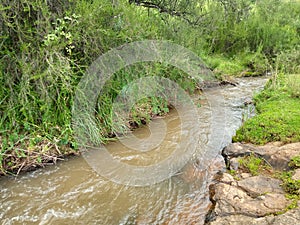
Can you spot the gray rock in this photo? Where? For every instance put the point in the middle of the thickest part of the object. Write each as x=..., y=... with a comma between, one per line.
x=253, y=199
x=279, y=156
x=227, y=179
x=291, y=217
x=275, y=153
x=234, y=163
x=242, y=220
x=238, y=149
x=259, y=185
x=245, y=175
x=232, y=200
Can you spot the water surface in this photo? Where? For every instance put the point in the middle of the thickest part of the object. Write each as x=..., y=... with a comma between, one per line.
x=72, y=193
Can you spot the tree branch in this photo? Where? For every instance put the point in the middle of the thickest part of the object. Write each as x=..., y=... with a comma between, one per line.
x=172, y=12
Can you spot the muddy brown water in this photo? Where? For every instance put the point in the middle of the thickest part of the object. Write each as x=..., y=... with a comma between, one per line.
x=71, y=192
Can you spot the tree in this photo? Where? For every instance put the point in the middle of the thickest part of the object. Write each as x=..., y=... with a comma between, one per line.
x=192, y=11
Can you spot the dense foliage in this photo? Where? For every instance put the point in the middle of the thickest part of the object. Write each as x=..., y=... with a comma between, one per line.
x=45, y=47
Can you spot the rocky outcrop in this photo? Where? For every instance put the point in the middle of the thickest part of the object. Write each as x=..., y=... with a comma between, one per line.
x=241, y=219
x=244, y=198
x=276, y=154
x=241, y=197
x=247, y=199
x=291, y=217
x=259, y=185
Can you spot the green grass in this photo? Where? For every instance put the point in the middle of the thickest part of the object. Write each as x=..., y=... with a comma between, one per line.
x=253, y=164
x=291, y=186
x=278, y=115
x=244, y=63
x=295, y=162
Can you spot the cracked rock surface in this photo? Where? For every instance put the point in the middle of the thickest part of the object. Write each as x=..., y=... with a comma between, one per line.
x=259, y=185
x=254, y=199
x=234, y=198
x=291, y=217
x=276, y=154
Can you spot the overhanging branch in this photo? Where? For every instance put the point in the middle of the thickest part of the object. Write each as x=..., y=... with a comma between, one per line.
x=162, y=9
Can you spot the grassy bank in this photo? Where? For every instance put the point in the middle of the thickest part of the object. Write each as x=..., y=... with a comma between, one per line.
x=46, y=46
x=278, y=117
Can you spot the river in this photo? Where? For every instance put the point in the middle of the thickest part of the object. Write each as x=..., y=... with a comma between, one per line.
x=71, y=192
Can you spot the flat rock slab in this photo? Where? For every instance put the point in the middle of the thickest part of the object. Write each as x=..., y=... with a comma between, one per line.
x=260, y=185
x=275, y=153
x=231, y=199
x=242, y=220
x=254, y=199
x=291, y=217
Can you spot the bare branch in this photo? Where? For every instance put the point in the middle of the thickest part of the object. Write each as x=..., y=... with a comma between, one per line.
x=171, y=11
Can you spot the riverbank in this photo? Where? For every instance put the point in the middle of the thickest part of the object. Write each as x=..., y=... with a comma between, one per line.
x=31, y=150
x=43, y=59
x=261, y=185
x=50, y=192
x=278, y=117
x=185, y=194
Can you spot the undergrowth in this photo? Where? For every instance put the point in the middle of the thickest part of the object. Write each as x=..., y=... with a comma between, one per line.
x=46, y=47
